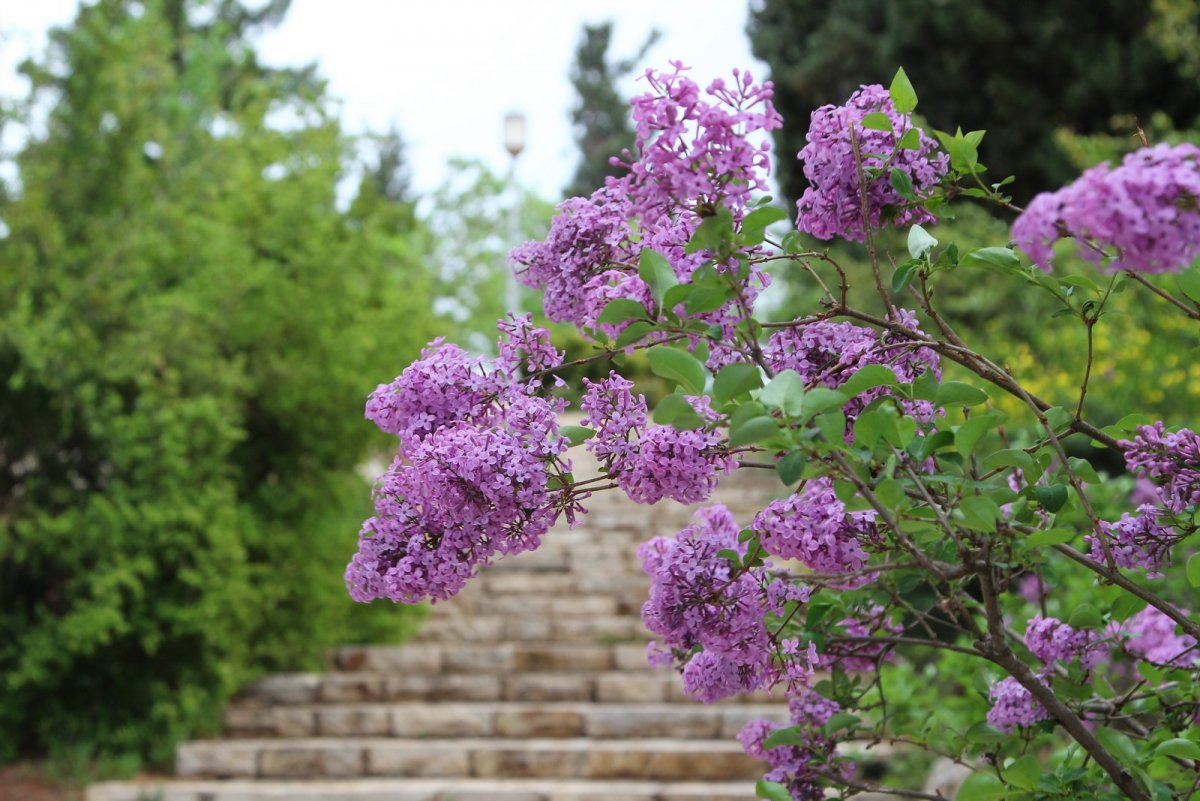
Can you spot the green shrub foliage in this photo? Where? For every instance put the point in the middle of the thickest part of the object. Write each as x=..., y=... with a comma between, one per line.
x=185, y=320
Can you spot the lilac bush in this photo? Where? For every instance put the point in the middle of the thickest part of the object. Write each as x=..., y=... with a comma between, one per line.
x=932, y=575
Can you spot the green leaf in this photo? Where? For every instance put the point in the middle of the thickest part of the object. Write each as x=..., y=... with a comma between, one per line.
x=1051, y=498
x=869, y=377
x=920, y=242
x=832, y=426
x=1117, y=742
x=791, y=467
x=841, y=720
x=1083, y=468
x=1054, y=536
x=755, y=224
x=1024, y=772
x=903, y=184
x=980, y=513
x=772, y=791
x=1014, y=457
x=756, y=429
x=633, y=333
x=1193, y=570
x=873, y=425
x=1178, y=747
x=877, y=121
x=936, y=442
x=714, y=233
x=904, y=96
x=1080, y=281
x=679, y=366
x=785, y=392
x=968, y=435
x=654, y=269
x=821, y=399
x=734, y=380
x=981, y=787
x=576, y=434
x=957, y=393
x=730, y=555
x=620, y=310
x=890, y=492
x=903, y=276
x=1002, y=259
x=1085, y=616
x=911, y=140
x=1126, y=606
x=674, y=410
x=1189, y=282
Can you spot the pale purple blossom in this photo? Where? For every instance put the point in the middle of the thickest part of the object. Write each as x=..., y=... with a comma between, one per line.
x=1143, y=212
x=1050, y=639
x=1013, y=706
x=1168, y=458
x=814, y=527
x=1152, y=636
x=798, y=767
x=1138, y=541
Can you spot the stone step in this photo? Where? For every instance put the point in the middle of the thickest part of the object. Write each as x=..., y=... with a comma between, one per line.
x=467, y=657
x=451, y=626
x=505, y=719
x=608, y=686
x=650, y=759
x=420, y=790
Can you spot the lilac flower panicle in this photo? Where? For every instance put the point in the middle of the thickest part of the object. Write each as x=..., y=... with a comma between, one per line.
x=444, y=386
x=525, y=348
x=1050, y=639
x=832, y=204
x=1152, y=636
x=695, y=602
x=828, y=354
x=814, y=527
x=669, y=463
x=1170, y=459
x=798, y=767
x=1144, y=212
x=1013, y=706
x=1137, y=541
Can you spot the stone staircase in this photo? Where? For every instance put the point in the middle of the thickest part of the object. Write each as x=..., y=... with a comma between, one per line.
x=532, y=685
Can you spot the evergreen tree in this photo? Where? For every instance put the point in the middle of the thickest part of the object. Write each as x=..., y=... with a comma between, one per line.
x=1020, y=70
x=601, y=114
x=186, y=324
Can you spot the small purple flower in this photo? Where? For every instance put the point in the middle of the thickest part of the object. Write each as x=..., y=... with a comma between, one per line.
x=814, y=527
x=1138, y=541
x=1152, y=636
x=1050, y=639
x=1170, y=459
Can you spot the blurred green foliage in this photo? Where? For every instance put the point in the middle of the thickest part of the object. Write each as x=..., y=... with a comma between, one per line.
x=188, y=328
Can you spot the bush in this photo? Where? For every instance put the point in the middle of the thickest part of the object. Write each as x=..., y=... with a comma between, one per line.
x=185, y=322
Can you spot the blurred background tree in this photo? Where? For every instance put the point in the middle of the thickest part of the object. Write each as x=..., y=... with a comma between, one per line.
x=603, y=128
x=188, y=327
x=1020, y=70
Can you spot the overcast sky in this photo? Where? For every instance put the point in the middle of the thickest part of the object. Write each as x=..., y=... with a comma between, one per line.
x=447, y=72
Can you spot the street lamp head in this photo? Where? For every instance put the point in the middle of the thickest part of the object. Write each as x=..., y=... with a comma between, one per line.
x=514, y=133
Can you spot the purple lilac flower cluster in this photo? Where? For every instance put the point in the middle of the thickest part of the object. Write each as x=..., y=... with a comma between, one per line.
x=693, y=153
x=832, y=204
x=1147, y=211
x=1137, y=541
x=1151, y=635
x=697, y=602
x=1170, y=459
x=827, y=354
x=814, y=527
x=1013, y=706
x=796, y=766
x=1050, y=639
x=472, y=478
x=651, y=462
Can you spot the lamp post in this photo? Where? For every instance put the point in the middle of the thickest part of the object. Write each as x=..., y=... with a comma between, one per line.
x=514, y=143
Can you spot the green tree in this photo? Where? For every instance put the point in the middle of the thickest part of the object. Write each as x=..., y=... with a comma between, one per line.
x=186, y=320
x=1020, y=70
x=601, y=113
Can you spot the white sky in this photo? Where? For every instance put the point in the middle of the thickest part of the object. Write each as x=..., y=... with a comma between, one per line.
x=446, y=72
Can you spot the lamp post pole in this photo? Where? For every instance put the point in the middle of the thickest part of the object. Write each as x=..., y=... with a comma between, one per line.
x=514, y=143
